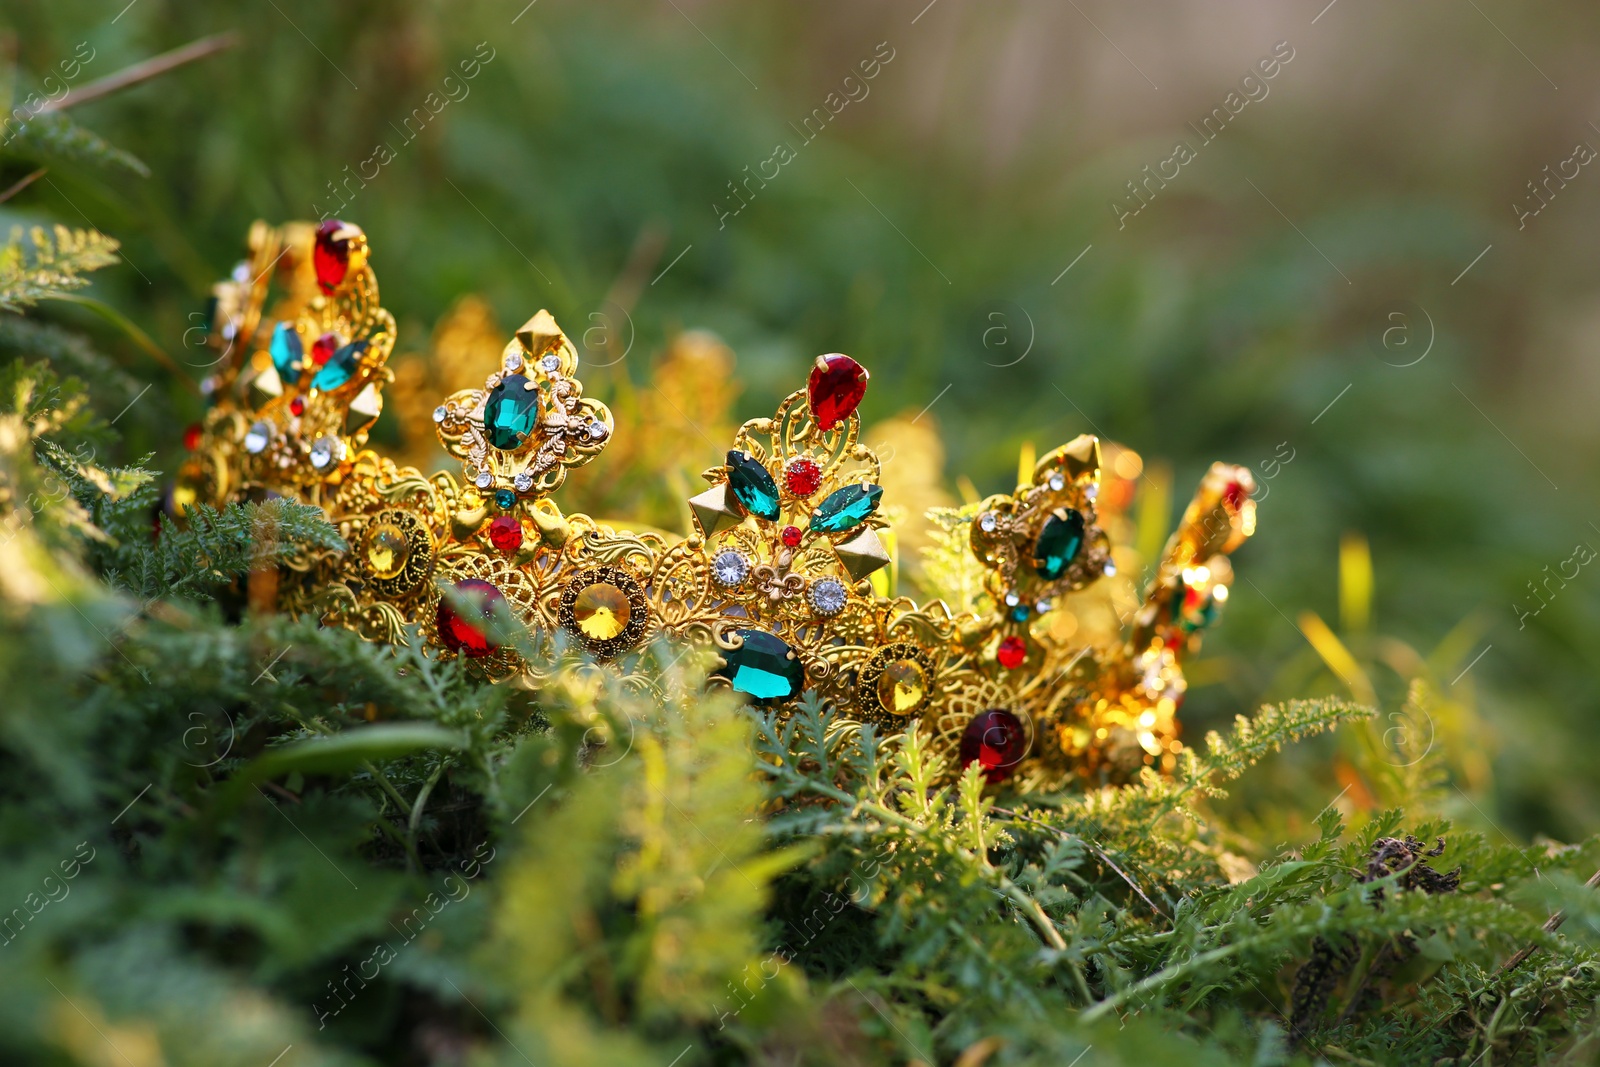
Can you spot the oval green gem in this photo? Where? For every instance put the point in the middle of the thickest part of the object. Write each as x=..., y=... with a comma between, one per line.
x=1059, y=543
x=752, y=486
x=846, y=508
x=511, y=413
x=765, y=668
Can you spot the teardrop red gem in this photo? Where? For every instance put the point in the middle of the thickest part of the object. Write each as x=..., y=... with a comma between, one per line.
x=330, y=256
x=1012, y=651
x=835, y=389
x=466, y=632
x=996, y=741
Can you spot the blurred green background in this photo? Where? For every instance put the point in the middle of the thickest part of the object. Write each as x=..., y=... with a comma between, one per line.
x=1351, y=266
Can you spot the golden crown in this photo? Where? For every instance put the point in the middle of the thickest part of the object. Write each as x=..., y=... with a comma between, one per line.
x=783, y=573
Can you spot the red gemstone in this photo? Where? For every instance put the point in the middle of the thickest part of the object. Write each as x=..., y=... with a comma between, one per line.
x=1012, y=651
x=323, y=348
x=836, y=386
x=802, y=476
x=191, y=436
x=1233, y=496
x=791, y=536
x=465, y=632
x=297, y=406
x=505, y=533
x=330, y=256
x=996, y=740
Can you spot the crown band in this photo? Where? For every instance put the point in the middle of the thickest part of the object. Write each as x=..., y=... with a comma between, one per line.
x=783, y=571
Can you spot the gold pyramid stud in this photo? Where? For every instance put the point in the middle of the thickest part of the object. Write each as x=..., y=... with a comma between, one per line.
x=540, y=334
x=363, y=410
x=264, y=386
x=714, y=511
x=862, y=554
x=1078, y=457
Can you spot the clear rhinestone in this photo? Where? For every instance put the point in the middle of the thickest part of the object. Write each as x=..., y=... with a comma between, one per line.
x=987, y=521
x=208, y=385
x=513, y=362
x=550, y=363
x=1111, y=569
x=325, y=451
x=483, y=480
x=1091, y=492
x=1057, y=482
x=1012, y=600
x=258, y=437
x=597, y=431
x=230, y=329
x=1043, y=607
x=241, y=273
x=730, y=567
x=440, y=413
x=827, y=596
x=523, y=481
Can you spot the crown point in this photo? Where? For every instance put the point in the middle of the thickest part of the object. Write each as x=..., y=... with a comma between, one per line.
x=540, y=334
x=862, y=554
x=835, y=389
x=714, y=511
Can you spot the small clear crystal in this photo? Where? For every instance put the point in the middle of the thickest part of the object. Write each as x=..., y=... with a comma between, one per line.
x=523, y=481
x=483, y=480
x=440, y=412
x=1012, y=600
x=324, y=452
x=1043, y=607
x=1111, y=569
x=729, y=567
x=550, y=363
x=987, y=521
x=1057, y=482
x=513, y=362
x=241, y=273
x=258, y=437
x=597, y=431
x=1091, y=492
x=827, y=596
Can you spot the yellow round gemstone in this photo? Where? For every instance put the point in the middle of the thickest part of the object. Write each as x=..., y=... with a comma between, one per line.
x=387, y=550
x=902, y=686
x=601, y=611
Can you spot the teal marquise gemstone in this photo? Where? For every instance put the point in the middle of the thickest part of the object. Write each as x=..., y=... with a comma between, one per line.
x=1059, y=543
x=752, y=486
x=765, y=668
x=511, y=413
x=846, y=508
x=288, y=354
x=340, y=368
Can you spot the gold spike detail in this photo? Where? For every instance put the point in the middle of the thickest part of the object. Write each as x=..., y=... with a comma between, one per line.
x=540, y=334
x=862, y=554
x=714, y=511
x=363, y=410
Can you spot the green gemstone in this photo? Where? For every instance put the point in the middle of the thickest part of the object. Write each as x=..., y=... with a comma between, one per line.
x=340, y=368
x=504, y=499
x=287, y=353
x=1059, y=543
x=511, y=413
x=764, y=667
x=752, y=486
x=846, y=508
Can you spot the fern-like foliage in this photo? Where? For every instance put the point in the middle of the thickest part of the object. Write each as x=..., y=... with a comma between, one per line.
x=40, y=264
x=52, y=137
